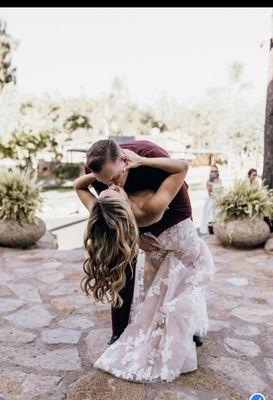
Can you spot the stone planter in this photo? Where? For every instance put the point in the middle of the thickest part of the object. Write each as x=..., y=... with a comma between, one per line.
x=12, y=234
x=242, y=232
x=268, y=247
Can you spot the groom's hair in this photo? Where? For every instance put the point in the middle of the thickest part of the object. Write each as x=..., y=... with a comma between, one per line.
x=100, y=153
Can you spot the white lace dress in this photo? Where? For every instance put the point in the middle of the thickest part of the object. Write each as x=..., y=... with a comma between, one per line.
x=158, y=343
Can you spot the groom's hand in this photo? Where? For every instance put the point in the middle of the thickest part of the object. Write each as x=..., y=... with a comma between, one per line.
x=133, y=159
x=148, y=244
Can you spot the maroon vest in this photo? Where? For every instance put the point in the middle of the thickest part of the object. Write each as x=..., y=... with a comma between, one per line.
x=151, y=178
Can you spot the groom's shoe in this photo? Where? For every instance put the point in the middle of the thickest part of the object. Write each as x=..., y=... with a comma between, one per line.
x=113, y=339
x=198, y=340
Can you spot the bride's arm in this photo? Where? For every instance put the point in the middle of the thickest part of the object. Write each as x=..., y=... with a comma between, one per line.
x=81, y=185
x=166, y=164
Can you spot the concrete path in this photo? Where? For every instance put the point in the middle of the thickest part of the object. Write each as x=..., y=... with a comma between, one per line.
x=50, y=333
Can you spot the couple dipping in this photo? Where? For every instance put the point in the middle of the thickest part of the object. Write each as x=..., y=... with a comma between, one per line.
x=143, y=202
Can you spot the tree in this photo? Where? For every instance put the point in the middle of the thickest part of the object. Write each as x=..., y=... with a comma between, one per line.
x=7, y=47
x=268, y=128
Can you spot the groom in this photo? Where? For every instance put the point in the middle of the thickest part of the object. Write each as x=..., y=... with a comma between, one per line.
x=109, y=164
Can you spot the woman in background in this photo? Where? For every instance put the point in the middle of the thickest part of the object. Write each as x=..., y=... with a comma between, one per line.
x=213, y=183
x=252, y=175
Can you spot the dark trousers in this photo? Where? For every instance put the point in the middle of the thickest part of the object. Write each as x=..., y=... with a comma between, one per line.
x=120, y=316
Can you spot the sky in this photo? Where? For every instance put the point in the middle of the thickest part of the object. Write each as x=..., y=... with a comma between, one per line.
x=177, y=51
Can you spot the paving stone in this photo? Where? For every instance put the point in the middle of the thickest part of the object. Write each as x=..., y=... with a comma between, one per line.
x=14, y=336
x=175, y=395
x=249, y=330
x=69, y=304
x=50, y=264
x=221, y=290
x=56, y=336
x=72, y=268
x=33, y=317
x=35, y=357
x=7, y=305
x=258, y=258
x=238, y=281
x=267, y=340
x=242, y=266
x=268, y=363
x=238, y=373
x=66, y=288
x=5, y=292
x=225, y=304
x=50, y=276
x=11, y=383
x=96, y=342
x=76, y=277
x=26, y=292
x=202, y=379
x=102, y=386
x=217, y=325
x=253, y=313
x=40, y=384
x=241, y=346
x=23, y=271
x=77, y=322
x=17, y=385
x=261, y=296
x=30, y=256
x=4, y=277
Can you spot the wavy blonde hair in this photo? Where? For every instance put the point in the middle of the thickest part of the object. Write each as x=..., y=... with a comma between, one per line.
x=112, y=242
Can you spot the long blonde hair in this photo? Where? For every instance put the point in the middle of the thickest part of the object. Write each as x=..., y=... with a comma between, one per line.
x=112, y=242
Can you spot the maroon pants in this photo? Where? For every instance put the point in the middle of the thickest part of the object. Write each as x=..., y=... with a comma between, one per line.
x=120, y=316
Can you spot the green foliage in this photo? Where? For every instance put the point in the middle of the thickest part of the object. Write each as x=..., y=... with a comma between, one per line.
x=25, y=145
x=76, y=121
x=244, y=200
x=19, y=196
x=65, y=171
x=7, y=46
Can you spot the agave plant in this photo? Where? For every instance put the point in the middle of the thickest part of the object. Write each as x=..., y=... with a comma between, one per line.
x=244, y=200
x=20, y=197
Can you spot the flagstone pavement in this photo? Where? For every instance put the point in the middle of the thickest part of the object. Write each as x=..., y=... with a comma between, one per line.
x=50, y=333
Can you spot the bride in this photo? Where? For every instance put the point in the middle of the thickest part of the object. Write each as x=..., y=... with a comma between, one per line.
x=158, y=342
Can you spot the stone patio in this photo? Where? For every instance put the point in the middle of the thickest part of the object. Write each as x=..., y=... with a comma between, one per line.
x=50, y=333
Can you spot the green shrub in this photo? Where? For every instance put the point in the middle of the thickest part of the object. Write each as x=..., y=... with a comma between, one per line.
x=65, y=171
x=20, y=197
x=244, y=200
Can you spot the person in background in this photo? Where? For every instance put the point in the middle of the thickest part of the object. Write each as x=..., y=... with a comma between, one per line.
x=252, y=175
x=213, y=183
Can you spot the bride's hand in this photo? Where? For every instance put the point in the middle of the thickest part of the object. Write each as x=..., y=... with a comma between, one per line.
x=133, y=159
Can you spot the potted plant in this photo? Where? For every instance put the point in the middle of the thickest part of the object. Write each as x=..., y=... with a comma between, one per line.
x=240, y=214
x=20, y=200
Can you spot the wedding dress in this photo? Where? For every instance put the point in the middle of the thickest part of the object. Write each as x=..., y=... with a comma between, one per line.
x=158, y=343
